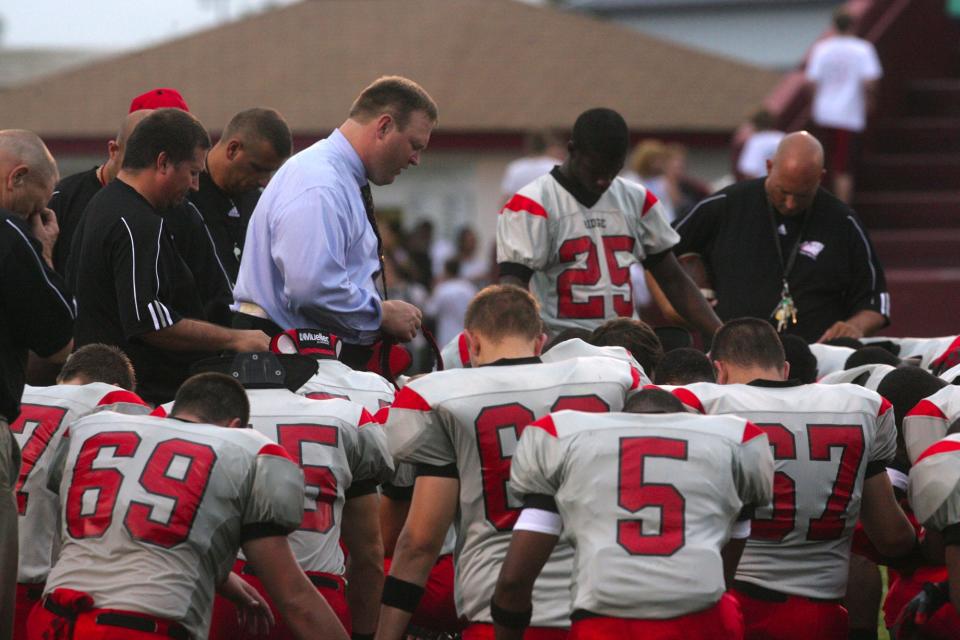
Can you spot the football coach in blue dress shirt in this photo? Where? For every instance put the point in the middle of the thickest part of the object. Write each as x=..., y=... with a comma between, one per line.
x=313, y=251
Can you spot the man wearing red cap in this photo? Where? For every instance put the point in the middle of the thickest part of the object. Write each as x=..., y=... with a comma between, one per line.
x=160, y=98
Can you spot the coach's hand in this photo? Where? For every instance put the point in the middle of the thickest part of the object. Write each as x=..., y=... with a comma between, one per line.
x=841, y=329
x=250, y=340
x=43, y=225
x=400, y=319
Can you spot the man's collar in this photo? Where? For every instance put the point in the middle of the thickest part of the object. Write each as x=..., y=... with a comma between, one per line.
x=584, y=197
x=350, y=155
x=775, y=384
x=506, y=362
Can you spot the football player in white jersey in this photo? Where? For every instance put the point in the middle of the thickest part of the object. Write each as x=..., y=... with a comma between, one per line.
x=649, y=498
x=343, y=455
x=95, y=377
x=934, y=354
x=831, y=444
x=154, y=511
x=573, y=234
x=928, y=422
x=460, y=427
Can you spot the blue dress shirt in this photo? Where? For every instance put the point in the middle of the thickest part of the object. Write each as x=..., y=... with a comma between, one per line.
x=310, y=255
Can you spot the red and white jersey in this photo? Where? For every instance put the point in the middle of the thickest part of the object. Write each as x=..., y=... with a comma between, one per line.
x=867, y=376
x=823, y=437
x=934, y=488
x=46, y=413
x=830, y=359
x=577, y=348
x=581, y=255
x=455, y=354
x=334, y=379
x=928, y=351
x=929, y=421
x=648, y=502
x=342, y=452
x=472, y=418
x=155, y=509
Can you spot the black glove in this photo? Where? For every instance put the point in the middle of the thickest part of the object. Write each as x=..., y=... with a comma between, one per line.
x=924, y=606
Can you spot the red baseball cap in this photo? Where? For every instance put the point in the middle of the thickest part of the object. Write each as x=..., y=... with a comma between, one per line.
x=159, y=99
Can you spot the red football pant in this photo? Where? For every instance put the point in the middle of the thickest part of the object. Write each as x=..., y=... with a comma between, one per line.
x=944, y=625
x=224, y=625
x=46, y=625
x=484, y=631
x=437, y=610
x=28, y=595
x=722, y=621
x=797, y=618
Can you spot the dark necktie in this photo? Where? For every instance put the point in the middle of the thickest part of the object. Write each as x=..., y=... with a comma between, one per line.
x=372, y=219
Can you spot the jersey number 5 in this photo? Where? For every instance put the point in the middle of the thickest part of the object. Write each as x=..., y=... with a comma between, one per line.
x=175, y=476
x=592, y=307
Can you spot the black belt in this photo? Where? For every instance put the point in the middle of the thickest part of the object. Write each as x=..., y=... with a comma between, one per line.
x=316, y=579
x=114, y=619
x=757, y=592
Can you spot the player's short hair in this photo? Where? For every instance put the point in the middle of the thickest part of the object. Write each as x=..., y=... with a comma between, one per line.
x=905, y=386
x=572, y=333
x=748, y=342
x=26, y=147
x=215, y=398
x=171, y=131
x=396, y=95
x=502, y=310
x=871, y=355
x=653, y=401
x=635, y=336
x=601, y=132
x=261, y=124
x=100, y=363
x=803, y=364
x=684, y=366
x=842, y=20
x=954, y=427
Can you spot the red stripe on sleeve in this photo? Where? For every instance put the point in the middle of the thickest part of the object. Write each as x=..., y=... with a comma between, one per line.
x=943, y=446
x=688, y=398
x=648, y=202
x=884, y=406
x=407, y=398
x=380, y=416
x=366, y=418
x=650, y=386
x=159, y=412
x=545, y=423
x=636, y=378
x=750, y=431
x=926, y=408
x=525, y=204
x=115, y=397
x=274, y=450
x=464, y=350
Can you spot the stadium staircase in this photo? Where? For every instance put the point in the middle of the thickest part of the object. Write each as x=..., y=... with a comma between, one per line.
x=908, y=180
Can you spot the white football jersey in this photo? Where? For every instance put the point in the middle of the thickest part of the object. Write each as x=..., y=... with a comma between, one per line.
x=867, y=376
x=339, y=448
x=154, y=510
x=829, y=358
x=927, y=350
x=934, y=488
x=581, y=255
x=929, y=421
x=455, y=354
x=46, y=413
x=648, y=502
x=823, y=438
x=334, y=379
x=577, y=348
x=472, y=418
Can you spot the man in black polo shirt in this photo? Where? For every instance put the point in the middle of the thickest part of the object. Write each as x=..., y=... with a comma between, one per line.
x=253, y=145
x=783, y=249
x=36, y=314
x=133, y=287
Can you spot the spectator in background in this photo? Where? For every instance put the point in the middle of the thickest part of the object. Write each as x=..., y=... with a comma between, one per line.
x=449, y=302
x=545, y=150
x=474, y=264
x=419, y=246
x=647, y=165
x=759, y=147
x=36, y=314
x=844, y=71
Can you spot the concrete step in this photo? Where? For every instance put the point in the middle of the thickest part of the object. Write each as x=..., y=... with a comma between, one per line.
x=933, y=97
x=924, y=302
x=908, y=209
x=920, y=248
x=908, y=171
x=915, y=135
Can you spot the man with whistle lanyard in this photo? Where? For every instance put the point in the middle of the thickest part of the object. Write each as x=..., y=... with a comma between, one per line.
x=784, y=249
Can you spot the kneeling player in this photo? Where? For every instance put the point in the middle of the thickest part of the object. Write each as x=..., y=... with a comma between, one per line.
x=650, y=503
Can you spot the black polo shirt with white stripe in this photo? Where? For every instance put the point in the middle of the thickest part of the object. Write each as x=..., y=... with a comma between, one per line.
x=36, y=312
x=130, y=280
x=70, y=198
x=227, y=220
x=836, y=273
